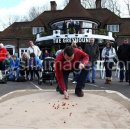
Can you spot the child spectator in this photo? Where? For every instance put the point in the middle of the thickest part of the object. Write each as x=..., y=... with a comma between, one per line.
x=35, y=65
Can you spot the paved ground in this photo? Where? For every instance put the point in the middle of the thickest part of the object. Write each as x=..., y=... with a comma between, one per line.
x=47, y=109
x=106, y=105
x=123, y=88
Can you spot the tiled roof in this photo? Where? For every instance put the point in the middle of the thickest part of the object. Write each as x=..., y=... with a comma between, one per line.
x=17, y=29
x=46, y=17
x=105, y=16
x=125, y=27
x=73, y=10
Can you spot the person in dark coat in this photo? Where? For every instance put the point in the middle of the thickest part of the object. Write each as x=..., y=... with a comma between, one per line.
x=128, y=53
x=77, y=27
x=71, y=27
x=123, y=58
x=64, y=27
x=92, y=50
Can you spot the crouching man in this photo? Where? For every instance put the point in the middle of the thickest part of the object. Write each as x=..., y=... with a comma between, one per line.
x=67, y=61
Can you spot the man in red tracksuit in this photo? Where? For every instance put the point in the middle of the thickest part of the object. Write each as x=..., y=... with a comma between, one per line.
x=3, y=56
x=68, y=60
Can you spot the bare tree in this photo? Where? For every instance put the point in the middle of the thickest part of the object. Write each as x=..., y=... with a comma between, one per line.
x=65, y=2
x=112, y=5
x=34, y=12
x=11, y=19
x=88, y=3
x=127, y=2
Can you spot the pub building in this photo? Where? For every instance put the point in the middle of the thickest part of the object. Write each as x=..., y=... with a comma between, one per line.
x=54, y=29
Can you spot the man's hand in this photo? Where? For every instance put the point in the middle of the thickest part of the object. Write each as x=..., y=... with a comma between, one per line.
x=66, y=95
x=81, y=66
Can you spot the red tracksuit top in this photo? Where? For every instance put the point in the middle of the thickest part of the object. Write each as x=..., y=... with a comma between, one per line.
x=61, y=64
x=3, y=53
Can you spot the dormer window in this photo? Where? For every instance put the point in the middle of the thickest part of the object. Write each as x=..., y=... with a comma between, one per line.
x=36, y=30
x=113, y=28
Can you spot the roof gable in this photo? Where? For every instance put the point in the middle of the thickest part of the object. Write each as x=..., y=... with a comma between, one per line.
x=75, y=9
x=17, y=29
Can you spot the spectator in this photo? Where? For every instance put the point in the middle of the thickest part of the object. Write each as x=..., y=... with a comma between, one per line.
x=108, y=53
x=77, y=27
x=3, y=54
x=128, y=60
x=34, y=49
x=71, y=27
x=92, y=50
x=24, y=65
x=68, y=60
x=16, y=63
x=45, y=54
x=9, y=62
x=64, y=27
x=75, y=73
x=123, y=58
x=35, y=65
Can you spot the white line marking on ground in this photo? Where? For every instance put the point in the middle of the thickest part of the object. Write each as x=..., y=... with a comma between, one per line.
x=118, y=93
x=93, y=85
x=11, y=93
x=36, y=86
x=102, y=87
x=70, y=90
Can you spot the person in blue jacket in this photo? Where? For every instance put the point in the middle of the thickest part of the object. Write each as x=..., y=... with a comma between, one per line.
x=9, y=67
x=15, y=66
x=35, y=65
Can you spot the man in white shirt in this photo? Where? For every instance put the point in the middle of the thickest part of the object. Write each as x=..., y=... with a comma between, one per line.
x=33, y=49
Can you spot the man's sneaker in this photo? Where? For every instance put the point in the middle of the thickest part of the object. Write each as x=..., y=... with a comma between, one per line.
x=79, y=92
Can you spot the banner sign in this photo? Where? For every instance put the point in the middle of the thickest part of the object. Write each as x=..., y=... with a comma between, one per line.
x=70, y=40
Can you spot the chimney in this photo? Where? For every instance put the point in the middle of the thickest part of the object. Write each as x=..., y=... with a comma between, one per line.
x=53, y=5
x=98, y=4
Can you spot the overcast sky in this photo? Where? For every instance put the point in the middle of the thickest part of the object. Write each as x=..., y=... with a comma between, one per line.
x=19, y=8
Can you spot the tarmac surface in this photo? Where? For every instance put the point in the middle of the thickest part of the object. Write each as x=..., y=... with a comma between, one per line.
x=47, y=109
x=28, y=105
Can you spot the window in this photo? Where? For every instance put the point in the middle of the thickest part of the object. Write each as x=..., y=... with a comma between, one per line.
x=36, y=30
x=21, y=51
x=113, y=28
x=87, y=25
x=10, y=49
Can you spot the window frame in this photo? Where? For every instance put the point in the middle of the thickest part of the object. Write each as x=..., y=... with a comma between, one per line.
x=113, y=27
